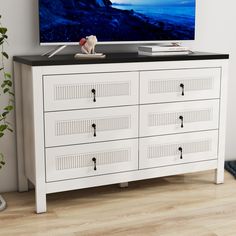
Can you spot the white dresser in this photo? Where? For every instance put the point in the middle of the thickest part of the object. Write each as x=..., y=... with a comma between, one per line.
x=120, y=119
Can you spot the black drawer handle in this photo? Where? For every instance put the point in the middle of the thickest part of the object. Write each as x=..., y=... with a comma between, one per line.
x=95, y=130
x=182, y=121
x=94, y=95
x=95, y=163
x=182, y=86
x=181, y=152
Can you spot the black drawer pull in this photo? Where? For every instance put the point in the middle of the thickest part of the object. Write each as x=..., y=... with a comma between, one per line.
x=182, y=121
x=95, y=130
x=94, y=95
x=181, y=152
x=95, y=163
x=182, y=86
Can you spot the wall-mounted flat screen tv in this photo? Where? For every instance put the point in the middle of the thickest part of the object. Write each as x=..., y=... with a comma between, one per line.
x=116, y=21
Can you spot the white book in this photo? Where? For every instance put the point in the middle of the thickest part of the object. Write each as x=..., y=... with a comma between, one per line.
x=164, y=53
x=163, y=48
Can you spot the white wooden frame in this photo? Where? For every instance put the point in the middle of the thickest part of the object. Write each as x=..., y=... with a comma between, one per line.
x=92, y=79
x=29, y=80
x=188, y=75
x=166, y=108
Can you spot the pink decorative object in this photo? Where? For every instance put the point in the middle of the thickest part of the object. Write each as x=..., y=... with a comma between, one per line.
x=88, y=44
x=82, y=41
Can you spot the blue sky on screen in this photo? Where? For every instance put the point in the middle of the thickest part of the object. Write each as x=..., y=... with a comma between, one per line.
x=155, y=2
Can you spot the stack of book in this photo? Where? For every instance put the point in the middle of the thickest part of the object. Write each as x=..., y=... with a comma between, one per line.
x=165, y=50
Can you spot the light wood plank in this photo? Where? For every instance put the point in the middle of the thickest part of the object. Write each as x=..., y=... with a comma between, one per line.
x=171, y=206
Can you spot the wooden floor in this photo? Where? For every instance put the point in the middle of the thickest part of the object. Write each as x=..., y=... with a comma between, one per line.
x=186, y=205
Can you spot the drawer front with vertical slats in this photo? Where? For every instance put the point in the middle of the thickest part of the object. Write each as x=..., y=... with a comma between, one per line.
x=93, y=125
x=91, y=159
x=180, y=117
x=178, y=149
x=64, y=92
x=179, y=85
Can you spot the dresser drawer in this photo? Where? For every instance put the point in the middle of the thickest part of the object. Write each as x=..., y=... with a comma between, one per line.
x=93, y=125
x=64, y=92
x=178, y=117
x=179, y=85
x=91, y=159
x=178, y=149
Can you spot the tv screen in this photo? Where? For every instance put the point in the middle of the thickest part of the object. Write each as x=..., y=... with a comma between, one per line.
x=67, y=21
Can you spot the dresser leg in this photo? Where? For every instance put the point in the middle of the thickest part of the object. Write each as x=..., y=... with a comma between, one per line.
x=124, y=185
x=41, y=201
x=219, y=175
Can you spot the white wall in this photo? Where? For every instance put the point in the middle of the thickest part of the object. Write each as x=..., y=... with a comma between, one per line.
x=215, y=33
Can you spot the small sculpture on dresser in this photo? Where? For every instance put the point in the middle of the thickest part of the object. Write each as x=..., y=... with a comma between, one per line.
x=88, y=45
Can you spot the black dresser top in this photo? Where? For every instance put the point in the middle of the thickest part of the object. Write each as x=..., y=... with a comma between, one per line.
x=113, y=58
